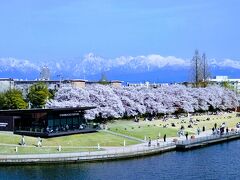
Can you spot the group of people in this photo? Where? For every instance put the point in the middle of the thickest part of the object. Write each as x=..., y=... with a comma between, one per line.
x=199, y=130
x=23, y=142
x=136, y=119
x=238, y=125
x=220, y=130
x=158, y=140
x=181, y=132
x=64, y=128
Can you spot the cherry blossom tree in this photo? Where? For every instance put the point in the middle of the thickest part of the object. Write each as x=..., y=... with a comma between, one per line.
x=113, y=102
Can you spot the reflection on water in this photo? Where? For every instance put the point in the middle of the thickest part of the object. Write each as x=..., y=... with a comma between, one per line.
x=214, y=162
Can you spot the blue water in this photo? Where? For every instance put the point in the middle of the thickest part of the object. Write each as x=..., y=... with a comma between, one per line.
x=220, y=161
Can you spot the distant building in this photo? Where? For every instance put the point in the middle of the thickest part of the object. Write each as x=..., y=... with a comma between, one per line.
x=6, y=84
x=24, y=85
x=223, y=79
x=77, y=83
x=147, y=84
x=219, y=80
x=114, y=83
x=45, y=74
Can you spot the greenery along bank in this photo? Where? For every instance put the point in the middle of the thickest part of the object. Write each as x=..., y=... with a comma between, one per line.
x=36, y=97
x=12, y=99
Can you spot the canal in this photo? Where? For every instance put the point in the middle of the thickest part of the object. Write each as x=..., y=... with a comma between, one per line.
x=221, y=161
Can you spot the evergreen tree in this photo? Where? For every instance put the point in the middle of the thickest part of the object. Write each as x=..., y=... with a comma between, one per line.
x=103, y=79
x=38, y=95
x=2, y=100
x=12, y=99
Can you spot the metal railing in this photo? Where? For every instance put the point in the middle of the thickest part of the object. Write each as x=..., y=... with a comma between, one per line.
x=96, y=153
x=208, y=138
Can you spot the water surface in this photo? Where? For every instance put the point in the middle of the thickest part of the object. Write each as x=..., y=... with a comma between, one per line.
x=220, y=161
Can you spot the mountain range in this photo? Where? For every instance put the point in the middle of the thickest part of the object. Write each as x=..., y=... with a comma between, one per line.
x=152, y=68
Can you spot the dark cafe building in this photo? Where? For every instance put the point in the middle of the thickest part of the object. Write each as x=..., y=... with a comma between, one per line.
x=46, y=122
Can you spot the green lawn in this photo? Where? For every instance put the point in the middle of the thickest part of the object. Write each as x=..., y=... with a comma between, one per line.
x=153, y=128
x=91, y=139
x=4, y=150
x=229, y=118
x=88, y=139
x=141, y=129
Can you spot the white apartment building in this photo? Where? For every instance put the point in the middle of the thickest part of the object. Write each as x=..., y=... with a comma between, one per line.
x=218, y=80
x=6, y=84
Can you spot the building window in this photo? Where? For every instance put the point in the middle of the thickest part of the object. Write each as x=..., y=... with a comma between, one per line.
x=50, y=123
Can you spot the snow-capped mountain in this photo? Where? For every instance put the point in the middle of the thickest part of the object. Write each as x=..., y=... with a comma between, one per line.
x=154, y=68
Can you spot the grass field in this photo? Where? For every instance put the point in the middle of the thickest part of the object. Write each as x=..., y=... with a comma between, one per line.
x=90, y=139
x=153, y=128
x=71, y=143
x=141, y=129
x=4, y=150
x=229, y=118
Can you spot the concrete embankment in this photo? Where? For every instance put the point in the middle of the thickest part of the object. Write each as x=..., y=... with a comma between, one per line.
x=206, y=141
x=110, y=154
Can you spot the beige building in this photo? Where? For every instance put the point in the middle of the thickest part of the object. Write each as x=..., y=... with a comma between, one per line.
x=116, y=83
x=78, y=83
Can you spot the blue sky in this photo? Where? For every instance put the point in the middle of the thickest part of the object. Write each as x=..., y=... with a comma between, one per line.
x=61, y=29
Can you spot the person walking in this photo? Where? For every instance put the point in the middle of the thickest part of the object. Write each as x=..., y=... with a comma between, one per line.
x=158, y=141
x=179, y=133
x=149, y=142
x=198, y=130
x=213, y=131
x=164, y=137
x=22, y=142
x=39, y=142
x=186, y=135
